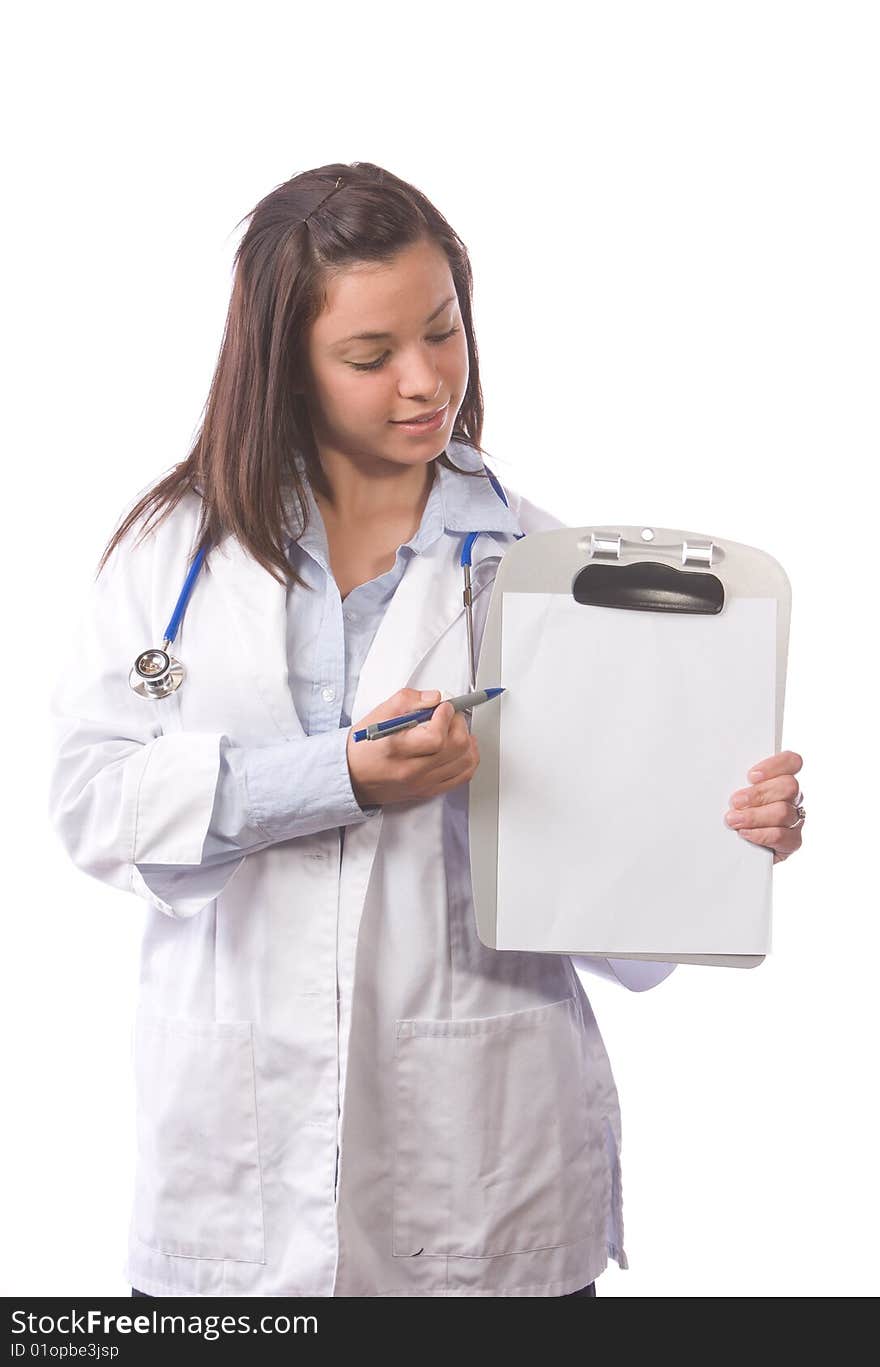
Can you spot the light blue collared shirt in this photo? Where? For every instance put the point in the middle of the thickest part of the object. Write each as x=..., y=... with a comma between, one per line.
x=292, y=788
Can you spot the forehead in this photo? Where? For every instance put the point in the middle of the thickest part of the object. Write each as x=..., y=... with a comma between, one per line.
x=385, y=296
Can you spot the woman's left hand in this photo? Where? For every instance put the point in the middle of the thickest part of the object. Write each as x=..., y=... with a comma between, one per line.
x=767, y=813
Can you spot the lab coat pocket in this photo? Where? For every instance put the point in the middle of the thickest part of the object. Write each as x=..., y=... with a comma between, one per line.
x=198, y=1188
x=495, y=1153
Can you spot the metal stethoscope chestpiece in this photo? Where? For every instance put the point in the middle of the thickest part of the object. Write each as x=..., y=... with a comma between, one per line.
x=155, y=673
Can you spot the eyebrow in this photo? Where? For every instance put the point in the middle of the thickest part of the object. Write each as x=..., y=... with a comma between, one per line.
x=378, y=336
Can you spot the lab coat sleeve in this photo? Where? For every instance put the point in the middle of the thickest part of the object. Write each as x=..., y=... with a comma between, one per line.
x=263, y=794
x=123, y=796
x=132, y=805
x=637, y=975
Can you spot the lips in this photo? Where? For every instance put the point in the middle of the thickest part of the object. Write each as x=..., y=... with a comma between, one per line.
x=420, y=417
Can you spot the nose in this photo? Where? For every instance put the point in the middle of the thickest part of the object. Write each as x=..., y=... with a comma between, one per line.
x=421, y=380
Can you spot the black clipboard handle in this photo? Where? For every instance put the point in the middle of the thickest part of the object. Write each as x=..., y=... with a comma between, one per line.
x=648, y=586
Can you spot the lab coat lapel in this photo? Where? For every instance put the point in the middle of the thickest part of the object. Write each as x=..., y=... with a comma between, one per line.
x=427, y=602
x=256, y=605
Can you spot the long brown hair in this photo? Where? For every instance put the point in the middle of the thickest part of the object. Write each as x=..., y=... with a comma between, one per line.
x=242, y=463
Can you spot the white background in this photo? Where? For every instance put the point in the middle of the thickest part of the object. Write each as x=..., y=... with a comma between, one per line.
x=672, y=214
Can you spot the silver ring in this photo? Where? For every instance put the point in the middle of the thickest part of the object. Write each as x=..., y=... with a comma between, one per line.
x=801, y=814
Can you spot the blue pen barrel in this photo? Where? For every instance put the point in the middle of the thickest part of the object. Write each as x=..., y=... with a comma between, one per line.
x=392, y=725
x=405, y=720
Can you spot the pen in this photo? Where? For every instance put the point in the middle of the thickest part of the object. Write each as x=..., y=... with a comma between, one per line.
x=377, y=729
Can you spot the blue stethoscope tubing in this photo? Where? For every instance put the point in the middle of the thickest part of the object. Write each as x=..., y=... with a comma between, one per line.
x=156, y=673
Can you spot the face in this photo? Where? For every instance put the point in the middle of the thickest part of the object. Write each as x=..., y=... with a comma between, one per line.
x=360, y=388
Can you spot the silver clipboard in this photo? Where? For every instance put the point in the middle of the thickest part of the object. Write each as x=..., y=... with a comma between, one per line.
x=636, y=568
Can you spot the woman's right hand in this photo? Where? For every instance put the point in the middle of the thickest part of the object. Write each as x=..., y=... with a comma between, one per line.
x=421, y=762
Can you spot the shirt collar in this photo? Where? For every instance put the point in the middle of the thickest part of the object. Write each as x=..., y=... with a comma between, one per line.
x=457, y=503
x=469, y=504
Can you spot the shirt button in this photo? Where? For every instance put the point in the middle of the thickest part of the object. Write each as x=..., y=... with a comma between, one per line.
x=328, y=694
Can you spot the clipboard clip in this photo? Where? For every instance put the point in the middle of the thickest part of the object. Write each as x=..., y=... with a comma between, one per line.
x=649, y=585
x=683, y=552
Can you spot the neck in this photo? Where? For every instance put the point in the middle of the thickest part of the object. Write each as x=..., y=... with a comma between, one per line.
x=359, y=495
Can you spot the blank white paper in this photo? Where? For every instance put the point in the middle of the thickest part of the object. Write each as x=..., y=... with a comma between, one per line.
x=623, y=735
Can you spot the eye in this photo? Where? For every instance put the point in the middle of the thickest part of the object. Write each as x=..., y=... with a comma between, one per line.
x=377, y=364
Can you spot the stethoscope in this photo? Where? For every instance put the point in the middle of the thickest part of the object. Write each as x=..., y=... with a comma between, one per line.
x=156, y=673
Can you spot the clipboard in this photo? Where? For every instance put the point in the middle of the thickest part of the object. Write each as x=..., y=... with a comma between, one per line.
x=625, y=585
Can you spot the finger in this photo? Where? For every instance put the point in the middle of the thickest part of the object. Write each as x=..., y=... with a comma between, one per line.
x=458, y=733
x=429, y=736
x=452, y=756
x=786, y=762
x=456, y=781
x=412, y=741
x=756, y=818
x=447, y=775
x=783, y=789
x=782, y=841
x=405, y=700
x=444, y=773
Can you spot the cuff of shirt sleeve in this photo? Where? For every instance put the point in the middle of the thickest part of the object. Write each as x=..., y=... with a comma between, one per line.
x=302, y=786
x=636, y=975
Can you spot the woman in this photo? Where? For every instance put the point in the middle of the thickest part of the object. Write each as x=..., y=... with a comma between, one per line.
x=341, y=1090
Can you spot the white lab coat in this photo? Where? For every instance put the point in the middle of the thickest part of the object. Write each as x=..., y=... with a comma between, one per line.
x=468, y=1089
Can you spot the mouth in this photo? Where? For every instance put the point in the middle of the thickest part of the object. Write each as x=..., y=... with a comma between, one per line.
x=421, y=417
